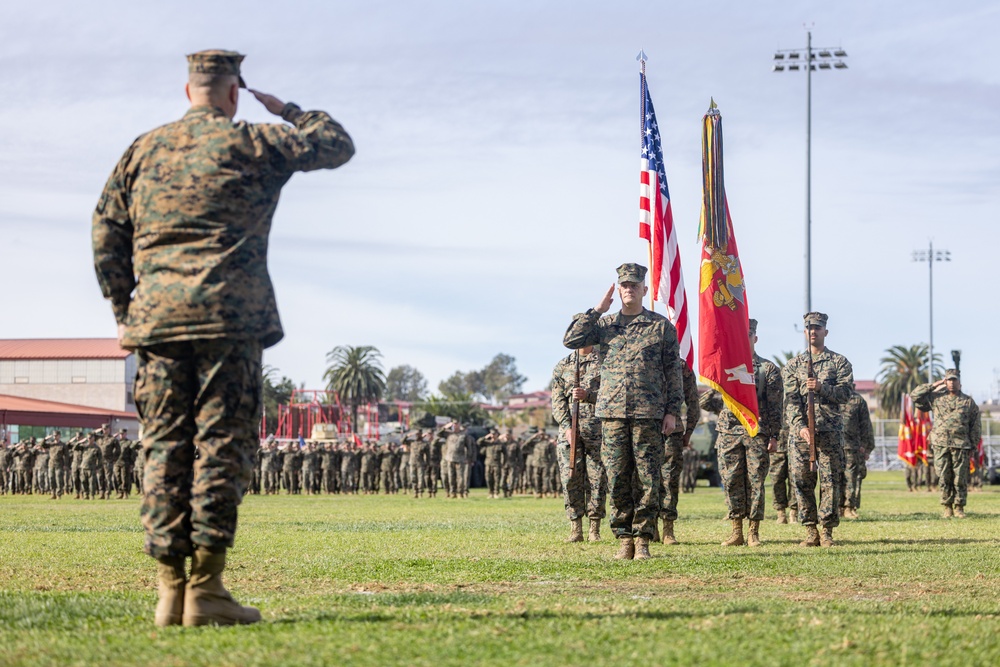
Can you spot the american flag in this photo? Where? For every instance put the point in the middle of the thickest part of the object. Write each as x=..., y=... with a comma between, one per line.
x=656, y=225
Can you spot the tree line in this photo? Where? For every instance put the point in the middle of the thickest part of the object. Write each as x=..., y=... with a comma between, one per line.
x=357, y=375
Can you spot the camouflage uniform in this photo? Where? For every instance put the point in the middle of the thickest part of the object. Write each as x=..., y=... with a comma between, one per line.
x=57, y=466
x=90, y=467
x=835, y=379
x=640, y=384
x=585, y=493
x=673, y=457
x=781, y=481
x=492, y=449
x=957, y=430
x=183, y=223
x=123, y=467
x=455, y=457
x=744, y=460
x=859, y=443
x=110, y=451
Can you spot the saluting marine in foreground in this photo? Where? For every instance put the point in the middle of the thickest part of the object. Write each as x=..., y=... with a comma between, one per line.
x=180, y=249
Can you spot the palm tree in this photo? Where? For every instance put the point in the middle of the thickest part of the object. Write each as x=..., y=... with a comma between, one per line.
x=781, y=359
x=355, y=373
x=903, y=368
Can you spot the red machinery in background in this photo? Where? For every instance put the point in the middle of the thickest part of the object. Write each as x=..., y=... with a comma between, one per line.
x=308, y=407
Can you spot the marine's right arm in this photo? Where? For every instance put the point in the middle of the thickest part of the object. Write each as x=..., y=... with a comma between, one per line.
x=923, y=396
x=111, y=238
x=314, y=141
x=583, y=331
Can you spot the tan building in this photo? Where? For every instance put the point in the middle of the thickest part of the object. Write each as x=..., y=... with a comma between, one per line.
x=93, y=372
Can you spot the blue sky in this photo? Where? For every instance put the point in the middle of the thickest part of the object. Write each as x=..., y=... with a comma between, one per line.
x=495, y=185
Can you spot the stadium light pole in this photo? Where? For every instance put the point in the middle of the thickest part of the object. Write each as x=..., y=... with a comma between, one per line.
x=794, y=60
x=930, y=256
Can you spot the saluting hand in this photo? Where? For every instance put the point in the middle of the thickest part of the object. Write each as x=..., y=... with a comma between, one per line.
x=605, y=304
x=270, y=102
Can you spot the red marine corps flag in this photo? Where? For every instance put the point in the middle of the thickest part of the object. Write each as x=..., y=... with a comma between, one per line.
x=725, y=360
x=907, y=450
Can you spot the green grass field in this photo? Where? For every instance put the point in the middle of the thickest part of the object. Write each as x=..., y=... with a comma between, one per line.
x=390, y=580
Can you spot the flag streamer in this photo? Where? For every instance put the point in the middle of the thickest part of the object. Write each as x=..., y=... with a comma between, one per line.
x=725, y=356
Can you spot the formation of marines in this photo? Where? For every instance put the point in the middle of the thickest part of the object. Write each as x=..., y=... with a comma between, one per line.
x=95, y=465
x=422, y=463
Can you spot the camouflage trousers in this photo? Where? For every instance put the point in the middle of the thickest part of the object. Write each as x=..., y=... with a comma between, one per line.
x=670, y=475
x=830, y=465
x=743, y=464
x=452, y=478
x=781, y=483
x=90, y=481
x=932, y=476
x=953, y=474
x=586, y=492
x=914, y=476
x=632, y=452
x=494, y=479
x=123, y=478
x=855, y=470
x=199, y=402
x=57, y=478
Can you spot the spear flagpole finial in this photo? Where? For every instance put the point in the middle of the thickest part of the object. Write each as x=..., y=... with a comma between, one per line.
x=713, y=108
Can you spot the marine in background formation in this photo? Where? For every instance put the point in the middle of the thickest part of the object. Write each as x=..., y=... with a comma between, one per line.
x=956, y=433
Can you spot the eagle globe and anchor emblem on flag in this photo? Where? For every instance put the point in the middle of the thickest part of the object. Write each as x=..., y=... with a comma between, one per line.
x=728, y=287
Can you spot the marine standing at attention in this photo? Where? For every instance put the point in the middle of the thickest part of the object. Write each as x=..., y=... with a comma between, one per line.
x=180, y=249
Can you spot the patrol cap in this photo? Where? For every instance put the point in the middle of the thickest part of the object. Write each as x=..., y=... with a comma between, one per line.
x=631, y=273
x=753, y=327
x=952, y=374
x=815, y=319
x=216, y=61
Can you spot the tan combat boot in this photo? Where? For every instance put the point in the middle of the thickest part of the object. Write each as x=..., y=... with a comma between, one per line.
x=206, y=601
x=626, y=548
x=668, y=532
x=171, y=580
x=735, y=538
x=843, y=512
x=782, y=517
x=826, y=537
x=812, y=537
x=642, y=548
x=852, y=513
x=793, y=516
x=576, y=531
x=959, y=512
x=947, y=512
x=595, y=530
x=753, y=539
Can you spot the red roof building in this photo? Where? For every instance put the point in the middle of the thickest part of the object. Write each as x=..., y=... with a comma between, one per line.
x=65, y=382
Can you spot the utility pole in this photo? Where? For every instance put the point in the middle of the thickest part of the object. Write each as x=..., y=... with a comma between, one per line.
x=930, y=256
x=791, y=60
